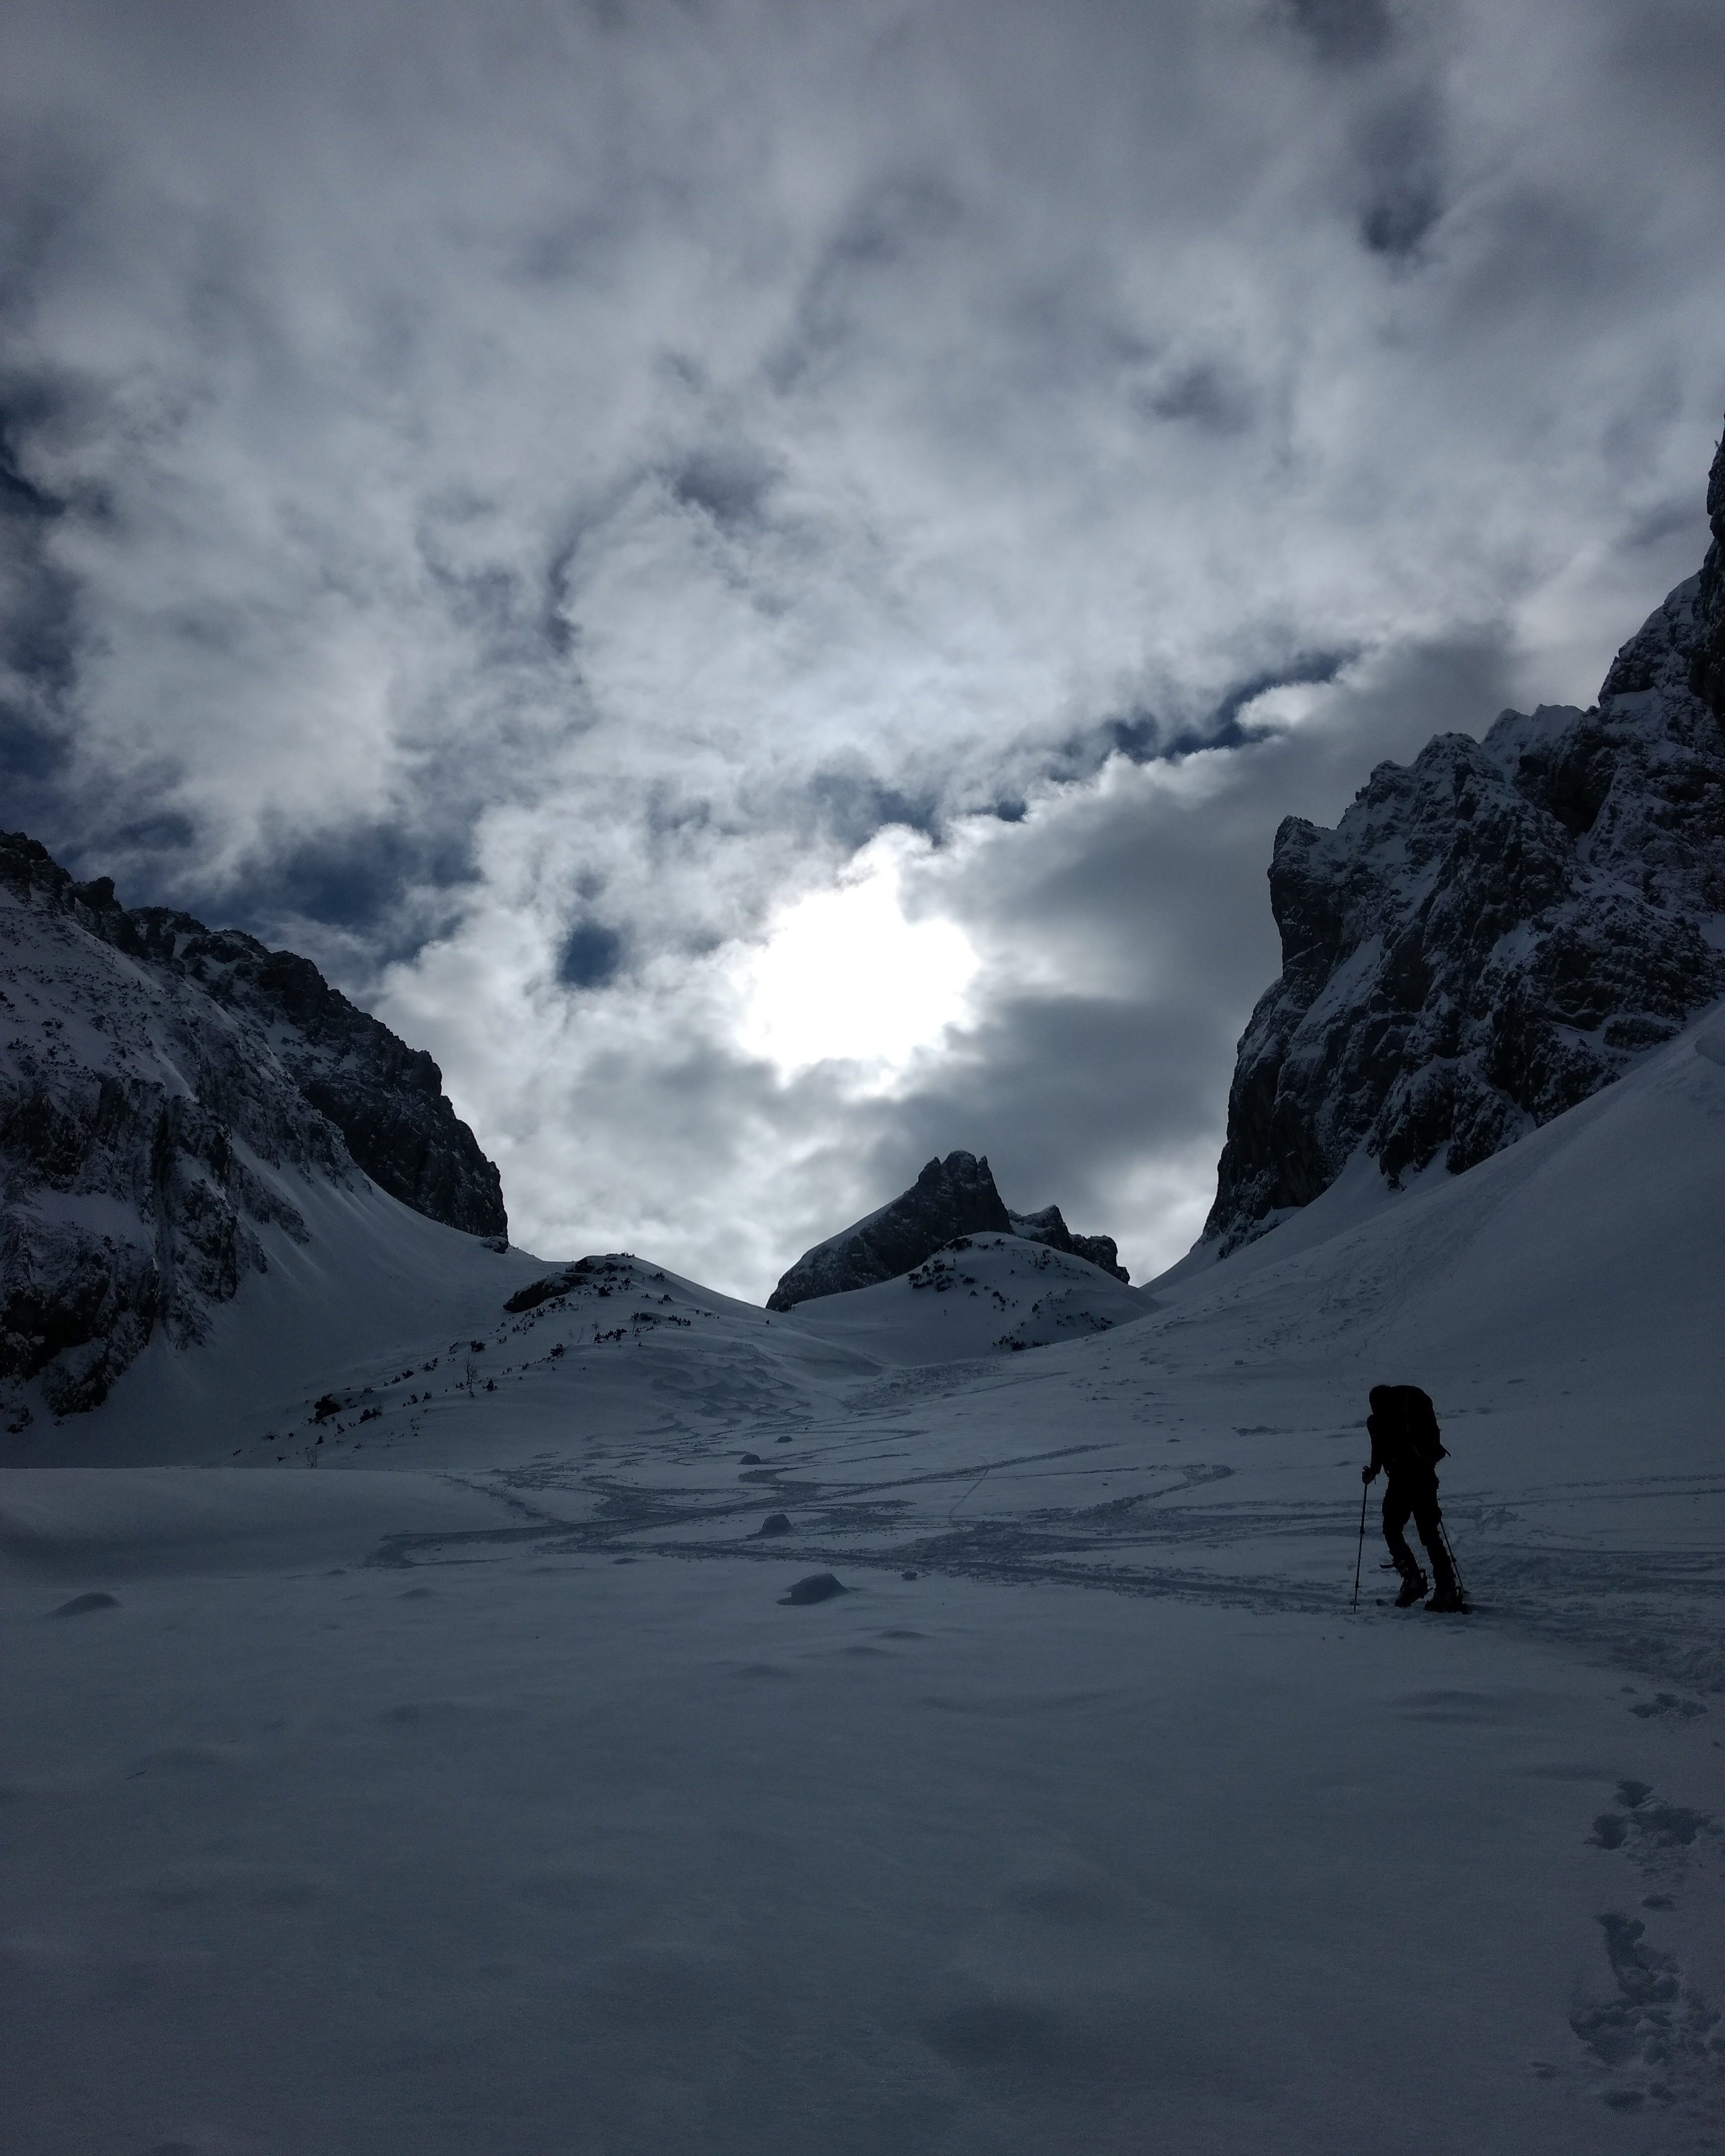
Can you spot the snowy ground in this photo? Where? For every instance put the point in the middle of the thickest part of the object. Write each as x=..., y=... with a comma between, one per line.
x=481, y=1794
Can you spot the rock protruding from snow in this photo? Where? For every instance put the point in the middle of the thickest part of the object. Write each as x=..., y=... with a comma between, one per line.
x=817, y=1587
x=1048, y=1227
x=950, y=1197
x=552, y=1285
x=1495, y=932
x=164, y=1090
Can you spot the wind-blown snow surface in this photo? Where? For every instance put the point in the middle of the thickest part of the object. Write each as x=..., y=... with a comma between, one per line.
x=497, y=1801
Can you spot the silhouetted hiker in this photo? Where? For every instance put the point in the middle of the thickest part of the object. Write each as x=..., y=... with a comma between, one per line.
x=1406, y=1445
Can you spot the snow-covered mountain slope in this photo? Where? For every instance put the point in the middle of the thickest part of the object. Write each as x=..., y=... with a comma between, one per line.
x=435, y=1347
x=502, y=1801
x=979, y=1296
x=1492, y=933
x=173, y=1103
x=1595, y=1244
x=950, y=1197
x=358, y=1275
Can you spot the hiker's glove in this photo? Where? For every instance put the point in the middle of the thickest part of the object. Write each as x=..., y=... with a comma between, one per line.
x=1367, y=1474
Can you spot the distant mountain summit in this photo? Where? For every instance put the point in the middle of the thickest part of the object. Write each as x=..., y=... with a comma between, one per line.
x=950, y=1197
x=166, y=1090
x=1494, y=931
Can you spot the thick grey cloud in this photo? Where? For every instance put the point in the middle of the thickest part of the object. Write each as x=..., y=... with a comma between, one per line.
x=507, y=499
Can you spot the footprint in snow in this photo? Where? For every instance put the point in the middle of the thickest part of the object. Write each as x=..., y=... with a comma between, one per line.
x=1656, y=2036
x=1652, y=1833
x=1668, y=1702
x=1650, y=1826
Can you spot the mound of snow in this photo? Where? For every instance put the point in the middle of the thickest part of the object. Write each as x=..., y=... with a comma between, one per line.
x=981, y=1296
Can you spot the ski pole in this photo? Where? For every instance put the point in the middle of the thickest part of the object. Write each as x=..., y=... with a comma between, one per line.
x=1360, y=1557
x=1454, y=1568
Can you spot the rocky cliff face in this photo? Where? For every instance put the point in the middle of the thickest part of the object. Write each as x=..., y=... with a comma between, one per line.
x=1706, y=658
x=164, y=1088
x=1493, y=932
x=1048, y=1227
x=950, y=1197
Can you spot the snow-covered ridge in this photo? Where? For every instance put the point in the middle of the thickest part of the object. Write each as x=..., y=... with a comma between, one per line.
x=1495, y=932
x=167, y=1093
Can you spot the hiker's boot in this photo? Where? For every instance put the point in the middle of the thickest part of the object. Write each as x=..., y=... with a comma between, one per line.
x=1415, y=1587
x=1447, y=1594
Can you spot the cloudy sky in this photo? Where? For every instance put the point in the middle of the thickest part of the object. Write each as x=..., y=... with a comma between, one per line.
x=758, y=576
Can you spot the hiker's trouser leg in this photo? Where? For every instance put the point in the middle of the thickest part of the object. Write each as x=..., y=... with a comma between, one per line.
x=1398, y=1508
x=1424, y=1505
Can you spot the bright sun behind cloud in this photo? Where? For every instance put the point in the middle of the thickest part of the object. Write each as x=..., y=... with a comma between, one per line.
x=845, y=977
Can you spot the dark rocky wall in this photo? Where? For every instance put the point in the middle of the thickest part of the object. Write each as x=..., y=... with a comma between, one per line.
x=1491, y=933
x=155, y=1075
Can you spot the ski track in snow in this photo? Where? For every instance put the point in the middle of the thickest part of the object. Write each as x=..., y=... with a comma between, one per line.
x=1655, y=1609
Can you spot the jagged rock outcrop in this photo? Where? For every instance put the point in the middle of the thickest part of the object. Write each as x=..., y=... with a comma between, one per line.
x=165, y=1089
x=950, y=1197
x=1706, y=658
x=1048, y=1227
x=1493, y=932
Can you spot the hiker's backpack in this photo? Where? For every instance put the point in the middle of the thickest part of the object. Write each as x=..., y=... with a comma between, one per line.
x=1420, y=1425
